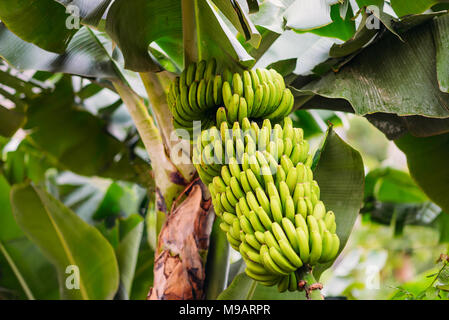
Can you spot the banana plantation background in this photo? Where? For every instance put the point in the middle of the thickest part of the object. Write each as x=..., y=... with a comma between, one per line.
x=88, y=178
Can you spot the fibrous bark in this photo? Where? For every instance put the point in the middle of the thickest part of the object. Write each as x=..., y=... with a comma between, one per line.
x=179, y=267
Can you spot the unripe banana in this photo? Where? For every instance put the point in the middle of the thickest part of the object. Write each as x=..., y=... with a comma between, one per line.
x=259, y=175
x=335, y=246
x=263, y=217
x=330, y=222
x=224, y=226
x=229, y=217
x=327, y=246
x=226, y=94
x=290, y=231
x=280, y=175
x=244, y=207
x=252, y=241
x=276, y=209
x=243, y=110
x=284, y=192
x=291, y=180
x=269, y=263
x=236, y=189
x=200, y=68
x=319, y=210
x=274, y=96
x=234, y=167
x=256, y=269
x=316, y=247
x=218, y=90
x=254, y=79
x=270, y=240
x=281, y=261
x=193, y=96
x=227, y=76
x=210, y=94
x=244, y=182
x=303, y=240
x=258, y=98
x=237, y=84
x=263, y=200
x=284, y=284
x=289, y=208
x=235, y=244
x=264, y=107
x=255, y=222
x=190, y=75
x=293, y=282
x=260, y=237
x=290, y=254
x=278, y=232
x=246, y=225
x=201, y=94
x=261, y=75
x=249, y=97
x=210, y=69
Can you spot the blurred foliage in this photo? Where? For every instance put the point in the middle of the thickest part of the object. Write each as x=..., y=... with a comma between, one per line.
x=399, y=235
x=72, y=137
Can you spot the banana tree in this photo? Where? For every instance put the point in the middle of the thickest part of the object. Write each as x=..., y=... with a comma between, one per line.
x=98, y=132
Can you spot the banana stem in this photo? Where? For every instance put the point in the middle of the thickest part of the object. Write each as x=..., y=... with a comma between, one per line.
x=310, y=285
x=159, y=106
x=169, y=182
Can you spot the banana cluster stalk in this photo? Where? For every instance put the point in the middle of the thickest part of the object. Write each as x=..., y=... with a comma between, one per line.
x=263, y=190
x=203, y=94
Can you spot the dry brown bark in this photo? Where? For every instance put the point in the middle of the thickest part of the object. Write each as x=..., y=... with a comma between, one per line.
x=179, y=267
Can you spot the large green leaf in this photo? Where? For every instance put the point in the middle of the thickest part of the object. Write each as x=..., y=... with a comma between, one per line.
x=14, y=93
x=67, y=241
x=308, y=15
x=390, y=76
x=76, y=140
x=394, y=126
x=24, y=271
x=10, y=121
x=143, y=277
x=441, y=37
x=392, y=185
x=360, y=38
x=366, y=3
x=217, y=265
x=40, y=22
x=208, y=36
x=136, y=24
x=245, y=288
x=85, y=55
x=241, y=288
x=90, y=11
x=406, y=7
x=239, y=18
x=130, y=232
x=340, y=28
x=340, y=175
x=393, y=198
x=427, y=162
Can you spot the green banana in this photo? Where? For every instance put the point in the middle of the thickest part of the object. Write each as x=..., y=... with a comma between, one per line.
x=257, y=167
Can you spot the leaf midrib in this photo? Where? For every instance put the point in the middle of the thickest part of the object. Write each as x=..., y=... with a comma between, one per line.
x=66, y=249
x=17, y=272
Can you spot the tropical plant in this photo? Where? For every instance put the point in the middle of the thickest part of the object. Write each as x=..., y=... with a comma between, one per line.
x=103, y=199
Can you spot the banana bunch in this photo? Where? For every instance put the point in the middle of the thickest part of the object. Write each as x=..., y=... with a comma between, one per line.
x=203, y=94
x=263, y=190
